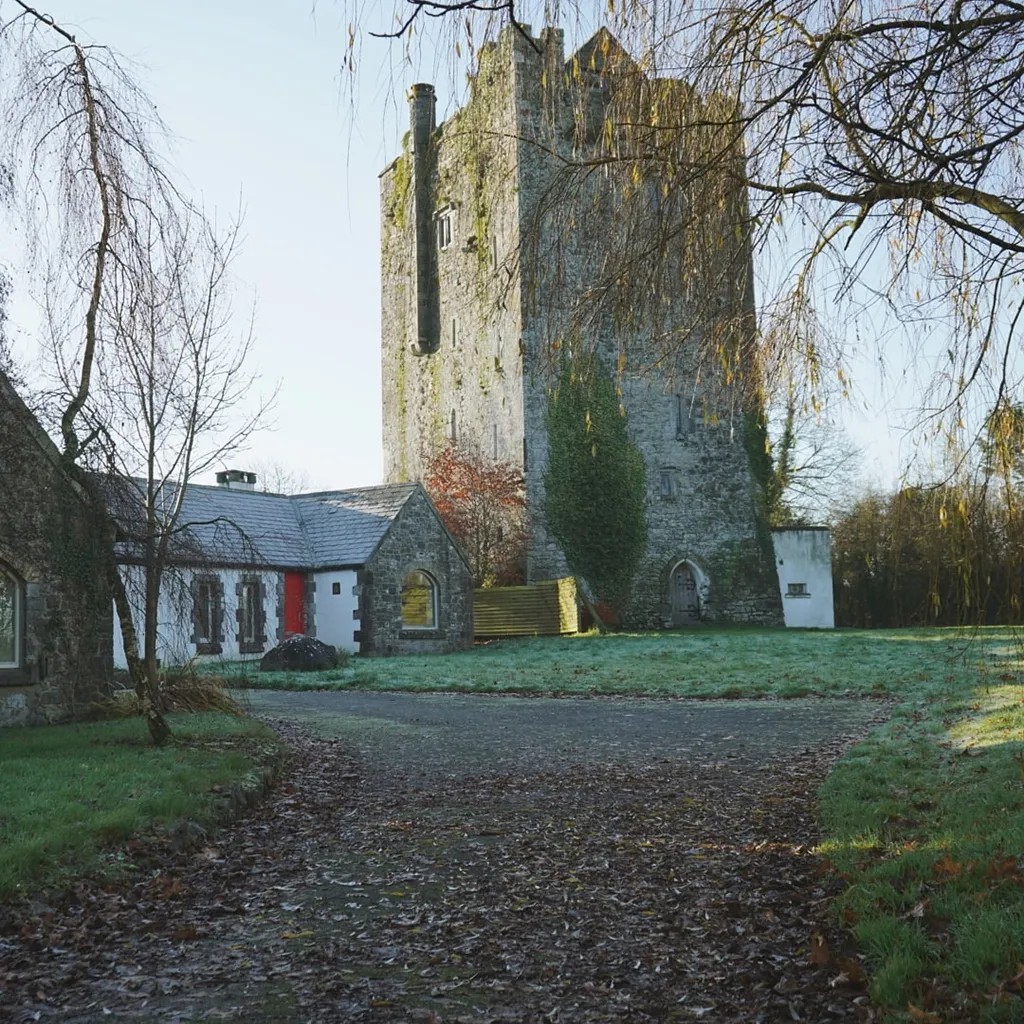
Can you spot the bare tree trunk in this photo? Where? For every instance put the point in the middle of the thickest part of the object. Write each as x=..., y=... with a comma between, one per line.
x=144, y=681
x=584, y=594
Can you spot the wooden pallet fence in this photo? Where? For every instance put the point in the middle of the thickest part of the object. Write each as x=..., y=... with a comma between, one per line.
x=540, y=609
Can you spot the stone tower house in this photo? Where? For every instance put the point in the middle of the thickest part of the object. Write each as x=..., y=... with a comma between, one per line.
x=483, y=291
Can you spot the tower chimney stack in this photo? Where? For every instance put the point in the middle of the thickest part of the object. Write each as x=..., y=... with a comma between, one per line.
x=423, y=121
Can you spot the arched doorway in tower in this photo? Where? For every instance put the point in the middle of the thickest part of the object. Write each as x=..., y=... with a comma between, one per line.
x=684, y=595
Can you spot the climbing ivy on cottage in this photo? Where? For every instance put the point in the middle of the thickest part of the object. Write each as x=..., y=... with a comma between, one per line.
x=595, y=480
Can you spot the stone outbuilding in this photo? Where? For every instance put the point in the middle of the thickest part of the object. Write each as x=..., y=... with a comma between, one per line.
x=370, y=570
x=55, y=606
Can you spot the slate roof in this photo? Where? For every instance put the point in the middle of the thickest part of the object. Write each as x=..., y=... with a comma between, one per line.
x=229, y=526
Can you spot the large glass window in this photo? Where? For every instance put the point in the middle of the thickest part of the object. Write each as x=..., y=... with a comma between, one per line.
x=10, y=620
x=419, y=601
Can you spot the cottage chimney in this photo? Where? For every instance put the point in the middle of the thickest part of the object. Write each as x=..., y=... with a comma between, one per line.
x=237, y=479
x=423, y=121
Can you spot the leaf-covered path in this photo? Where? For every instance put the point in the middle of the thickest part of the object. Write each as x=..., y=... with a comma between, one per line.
x=487, y=860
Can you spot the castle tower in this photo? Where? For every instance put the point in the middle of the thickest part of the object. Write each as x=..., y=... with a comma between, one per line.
x=479, y=291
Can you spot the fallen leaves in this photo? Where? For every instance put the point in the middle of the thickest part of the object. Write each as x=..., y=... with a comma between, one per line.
x=631, y=891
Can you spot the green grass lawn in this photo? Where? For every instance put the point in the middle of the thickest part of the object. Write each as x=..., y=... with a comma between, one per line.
x=734, y=662
x=924, y=820
x=70, y=792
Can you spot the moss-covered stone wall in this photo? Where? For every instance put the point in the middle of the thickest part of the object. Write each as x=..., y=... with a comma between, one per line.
x=51, y=546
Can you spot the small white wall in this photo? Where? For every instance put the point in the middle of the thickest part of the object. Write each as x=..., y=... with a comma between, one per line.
x=334, y=613
x=804, y=556
x=174, y=615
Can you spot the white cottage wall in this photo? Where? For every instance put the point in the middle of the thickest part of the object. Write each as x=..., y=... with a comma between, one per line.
x=803, y=560
x=175, y=643
x=337, y=608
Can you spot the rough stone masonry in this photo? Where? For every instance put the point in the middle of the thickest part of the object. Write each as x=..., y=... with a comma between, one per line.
x=482, y=293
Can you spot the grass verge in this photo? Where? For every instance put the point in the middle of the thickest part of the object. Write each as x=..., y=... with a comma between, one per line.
x=71, y=792
x=724, y=662
x=924, y=821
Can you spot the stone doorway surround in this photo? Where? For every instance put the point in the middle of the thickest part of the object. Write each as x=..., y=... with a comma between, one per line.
x=687, y=593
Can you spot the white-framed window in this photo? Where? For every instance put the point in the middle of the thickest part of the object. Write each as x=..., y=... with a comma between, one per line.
x=444, y=221
x=797, y=590
x=251, y=632
x=208, y=614
x=419, y=601
x=10, y=619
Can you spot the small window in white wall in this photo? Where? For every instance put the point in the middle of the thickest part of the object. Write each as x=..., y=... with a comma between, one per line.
x=251, y=633
x=208, y=614
x=419, y=601
x=797, y=590
x=10, y=620
x=336, y=588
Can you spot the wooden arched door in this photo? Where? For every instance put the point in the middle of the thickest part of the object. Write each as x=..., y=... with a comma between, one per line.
x=684, y=596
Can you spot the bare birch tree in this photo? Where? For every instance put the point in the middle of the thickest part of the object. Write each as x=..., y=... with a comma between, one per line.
x=166, y=401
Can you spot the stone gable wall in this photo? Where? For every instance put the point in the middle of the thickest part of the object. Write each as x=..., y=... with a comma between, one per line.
x=416, y=540
x=49, y=543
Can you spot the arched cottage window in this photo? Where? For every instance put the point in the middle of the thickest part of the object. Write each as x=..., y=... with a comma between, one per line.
x=10, y=619
x=419, y=601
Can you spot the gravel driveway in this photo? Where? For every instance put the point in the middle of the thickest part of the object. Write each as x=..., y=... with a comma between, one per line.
x=427, y=734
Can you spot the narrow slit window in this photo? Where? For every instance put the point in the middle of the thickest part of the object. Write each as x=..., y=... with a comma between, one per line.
x=445, y=224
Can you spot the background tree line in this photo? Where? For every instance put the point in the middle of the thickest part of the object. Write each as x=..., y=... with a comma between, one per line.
x=941, y=554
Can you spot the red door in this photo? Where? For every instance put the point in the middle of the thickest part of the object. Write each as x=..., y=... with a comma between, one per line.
x=294, y=602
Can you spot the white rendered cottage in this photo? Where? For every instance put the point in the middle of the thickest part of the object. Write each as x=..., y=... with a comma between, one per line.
x=370, y=570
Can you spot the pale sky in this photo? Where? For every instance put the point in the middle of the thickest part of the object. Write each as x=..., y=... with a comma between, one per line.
x=254, y=95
